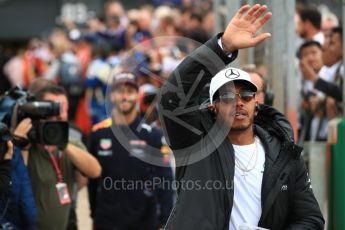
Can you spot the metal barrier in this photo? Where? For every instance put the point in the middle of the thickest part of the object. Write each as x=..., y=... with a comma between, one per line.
x=316, y=157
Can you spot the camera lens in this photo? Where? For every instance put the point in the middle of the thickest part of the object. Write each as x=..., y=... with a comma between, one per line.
x=55, y=133
x=51, y=132
x=41, y=109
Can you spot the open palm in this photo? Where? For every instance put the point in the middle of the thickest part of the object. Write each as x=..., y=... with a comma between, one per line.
x=241, y=31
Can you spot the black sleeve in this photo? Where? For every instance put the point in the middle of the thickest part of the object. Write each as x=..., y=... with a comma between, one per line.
x=5, y=177
x=93, y=183
x=329, y=89
x=306, y=212
x=179, y=96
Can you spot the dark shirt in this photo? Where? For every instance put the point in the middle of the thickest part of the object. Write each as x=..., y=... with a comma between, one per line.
x=51, y=214
x=123, y=198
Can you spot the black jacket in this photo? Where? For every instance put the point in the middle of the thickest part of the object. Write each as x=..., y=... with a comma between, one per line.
x=5, y=175
x=203, y=154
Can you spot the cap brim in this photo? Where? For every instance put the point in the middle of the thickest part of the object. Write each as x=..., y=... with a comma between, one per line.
x=125, y=82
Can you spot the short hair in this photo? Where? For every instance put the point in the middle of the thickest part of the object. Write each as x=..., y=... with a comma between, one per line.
x=51, y=88
x=306, y=45
x=38, y=84
x=311, y=14
x=338, y=30
x=251, y=68
x=196, y=16
x=109, y=2
x=198, y=34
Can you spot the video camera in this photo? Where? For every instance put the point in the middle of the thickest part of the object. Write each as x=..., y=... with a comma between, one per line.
x=17, y=104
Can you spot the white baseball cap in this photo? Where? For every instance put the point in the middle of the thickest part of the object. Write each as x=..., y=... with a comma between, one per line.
x=228, y=75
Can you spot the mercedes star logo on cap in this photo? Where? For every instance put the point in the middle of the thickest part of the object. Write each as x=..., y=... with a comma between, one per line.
x=232, y=74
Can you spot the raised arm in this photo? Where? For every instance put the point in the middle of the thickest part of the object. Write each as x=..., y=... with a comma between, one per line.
x=180, y=94
x=83, y=161
x=241, y=31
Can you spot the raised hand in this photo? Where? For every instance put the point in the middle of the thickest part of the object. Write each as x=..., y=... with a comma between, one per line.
x=241, y=31
x=307, y=71
x=23, y=128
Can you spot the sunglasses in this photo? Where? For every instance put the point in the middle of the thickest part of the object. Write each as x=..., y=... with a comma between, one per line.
x=230, y=97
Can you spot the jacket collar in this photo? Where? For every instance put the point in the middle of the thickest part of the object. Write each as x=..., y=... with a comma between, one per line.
x=271, y=126
x=274, y=128
x=269, y=143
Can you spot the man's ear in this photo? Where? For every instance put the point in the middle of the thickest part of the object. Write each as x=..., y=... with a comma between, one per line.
x=212, y=108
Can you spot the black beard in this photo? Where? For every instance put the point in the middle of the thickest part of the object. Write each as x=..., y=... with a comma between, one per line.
x=240, y=128
x=128, y=111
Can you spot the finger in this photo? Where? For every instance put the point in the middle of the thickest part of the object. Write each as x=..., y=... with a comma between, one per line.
x=9, y=144
x=261, y=37
x=252, y=11
x=27, y=128
x=25, y=121
x=262, y=21
x=258, y=13
x=242, y=11
x=9, y=154
x=20, y=129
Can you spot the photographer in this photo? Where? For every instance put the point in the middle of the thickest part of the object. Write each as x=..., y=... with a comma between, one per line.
x=53, y=169
x=17, y=205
